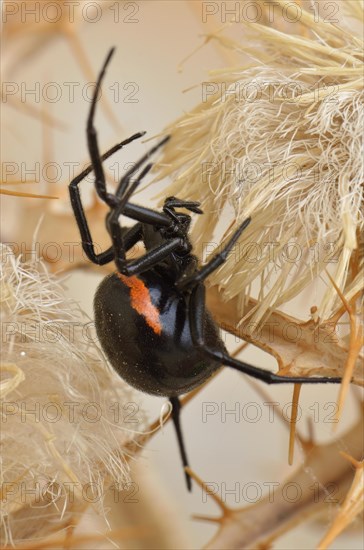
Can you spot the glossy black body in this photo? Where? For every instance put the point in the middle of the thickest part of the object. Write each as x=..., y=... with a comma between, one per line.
x=165, y=364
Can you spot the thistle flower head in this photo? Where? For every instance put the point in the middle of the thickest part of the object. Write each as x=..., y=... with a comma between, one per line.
x=65, y=413
x=280, y=140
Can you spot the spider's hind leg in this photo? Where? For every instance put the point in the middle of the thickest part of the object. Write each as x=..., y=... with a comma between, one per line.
x=176, y=410
x=197, y=316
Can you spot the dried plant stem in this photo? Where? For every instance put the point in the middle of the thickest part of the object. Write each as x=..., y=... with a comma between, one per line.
x=260, y=524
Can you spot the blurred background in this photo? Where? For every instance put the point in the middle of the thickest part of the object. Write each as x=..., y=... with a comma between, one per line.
x=51, y=56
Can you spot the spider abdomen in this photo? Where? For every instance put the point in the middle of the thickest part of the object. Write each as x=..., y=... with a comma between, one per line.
x=143, y=325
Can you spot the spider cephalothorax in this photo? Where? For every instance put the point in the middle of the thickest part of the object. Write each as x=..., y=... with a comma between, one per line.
x=150, y=315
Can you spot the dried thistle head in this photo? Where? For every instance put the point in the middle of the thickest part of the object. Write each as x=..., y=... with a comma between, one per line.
x=281, y=141
x=65, y=429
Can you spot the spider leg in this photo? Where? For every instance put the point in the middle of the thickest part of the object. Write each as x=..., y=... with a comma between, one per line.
x=197, y=316
x=96, y=160
x=146, y=215
x=123, y=193
x=174, y=202
x=100, y=183
x=214, y=263
x=87, y=243
x=146, y=262
x=124, y=182
x=176, y=410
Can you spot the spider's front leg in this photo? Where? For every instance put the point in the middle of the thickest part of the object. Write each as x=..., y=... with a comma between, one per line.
x=96, y=160
x=92, y=142
x=197, y=316
x=129, y=238
x=80, y=216
x=100, y=184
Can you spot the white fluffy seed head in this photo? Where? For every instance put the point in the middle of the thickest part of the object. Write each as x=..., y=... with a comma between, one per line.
x=281, y=141
x=66, y=416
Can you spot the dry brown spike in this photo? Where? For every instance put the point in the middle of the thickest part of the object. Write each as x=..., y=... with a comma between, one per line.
x=293, y=422
x=351, y=508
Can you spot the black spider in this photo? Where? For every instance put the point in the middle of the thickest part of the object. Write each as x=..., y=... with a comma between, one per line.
x=150, y=314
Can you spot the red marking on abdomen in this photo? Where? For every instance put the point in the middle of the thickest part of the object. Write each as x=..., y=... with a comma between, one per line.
x=141, y=301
